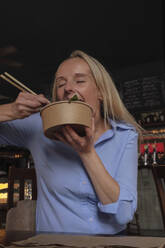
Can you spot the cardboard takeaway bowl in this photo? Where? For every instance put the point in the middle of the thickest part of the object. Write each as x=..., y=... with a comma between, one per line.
x=57, y=114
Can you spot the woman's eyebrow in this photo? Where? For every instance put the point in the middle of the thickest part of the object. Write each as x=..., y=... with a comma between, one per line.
x=81, y=75
x=60, y=78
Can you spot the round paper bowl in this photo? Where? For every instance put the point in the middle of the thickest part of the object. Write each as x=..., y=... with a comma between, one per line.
x=57, y=114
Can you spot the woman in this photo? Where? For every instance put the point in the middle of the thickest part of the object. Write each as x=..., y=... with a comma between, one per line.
x=85, y=184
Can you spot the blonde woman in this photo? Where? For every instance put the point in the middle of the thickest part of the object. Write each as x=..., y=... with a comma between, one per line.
x=87, y=184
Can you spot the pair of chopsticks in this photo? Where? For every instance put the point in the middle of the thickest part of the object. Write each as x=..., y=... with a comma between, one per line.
x=10, y=79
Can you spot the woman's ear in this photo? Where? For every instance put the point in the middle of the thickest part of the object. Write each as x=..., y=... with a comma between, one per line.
x=100, y=97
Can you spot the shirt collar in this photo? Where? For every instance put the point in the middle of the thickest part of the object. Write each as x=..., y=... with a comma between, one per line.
x=111, y=132
x=122, y=125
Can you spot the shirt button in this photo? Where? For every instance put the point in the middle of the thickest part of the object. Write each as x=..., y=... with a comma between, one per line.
x=84, y=182
x=90, y=219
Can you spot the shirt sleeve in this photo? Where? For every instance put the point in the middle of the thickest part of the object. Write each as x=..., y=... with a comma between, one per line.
x=16, y=132
x=126, y=176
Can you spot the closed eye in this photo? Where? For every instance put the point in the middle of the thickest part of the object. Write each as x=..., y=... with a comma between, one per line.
x=59, y=85
x=80, y=81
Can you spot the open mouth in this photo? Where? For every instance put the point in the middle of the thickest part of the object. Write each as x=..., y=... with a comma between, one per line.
x=75, y=97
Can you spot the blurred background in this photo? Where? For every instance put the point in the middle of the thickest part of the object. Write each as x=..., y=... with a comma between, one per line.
x=126, y=36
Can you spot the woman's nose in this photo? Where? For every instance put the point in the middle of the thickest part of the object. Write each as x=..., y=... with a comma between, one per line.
x=69, y=86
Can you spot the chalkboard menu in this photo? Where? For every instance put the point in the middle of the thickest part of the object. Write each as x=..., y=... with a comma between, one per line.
x=144, y=94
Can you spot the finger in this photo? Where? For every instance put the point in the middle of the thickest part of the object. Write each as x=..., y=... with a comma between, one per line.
x=90, y=131
x=23, y=106
x=26, y=95
x=24, y=114
x=36, y=98
x=29, y=103
x=43, y=99
x=28, y=111
x=68, y=134
x=73, y=134
x=59, y=137
x=93, y=124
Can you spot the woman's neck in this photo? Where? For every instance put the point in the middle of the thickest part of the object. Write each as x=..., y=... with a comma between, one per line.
x=100, y=128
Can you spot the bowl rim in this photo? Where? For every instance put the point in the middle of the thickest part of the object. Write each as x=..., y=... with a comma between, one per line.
x=66, y=101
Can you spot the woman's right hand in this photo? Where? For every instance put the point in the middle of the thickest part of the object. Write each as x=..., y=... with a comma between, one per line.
x=27, y=104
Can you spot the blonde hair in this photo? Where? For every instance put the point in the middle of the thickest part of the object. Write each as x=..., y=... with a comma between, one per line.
x=113, y=106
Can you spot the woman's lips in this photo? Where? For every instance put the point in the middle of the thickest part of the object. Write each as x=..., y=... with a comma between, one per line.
x=79, y=98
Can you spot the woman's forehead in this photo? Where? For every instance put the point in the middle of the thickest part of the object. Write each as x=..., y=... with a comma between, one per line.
x=73, y=65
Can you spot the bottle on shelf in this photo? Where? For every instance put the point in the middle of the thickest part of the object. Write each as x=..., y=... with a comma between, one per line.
x=154, y=154
x=161, y=117
x=155, y=117
x=146, y=155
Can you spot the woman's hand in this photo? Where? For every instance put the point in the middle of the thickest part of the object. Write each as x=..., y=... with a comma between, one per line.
x=80, y=144
x=27, y=104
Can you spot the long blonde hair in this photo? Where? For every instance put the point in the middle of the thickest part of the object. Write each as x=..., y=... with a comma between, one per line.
x=113, y=106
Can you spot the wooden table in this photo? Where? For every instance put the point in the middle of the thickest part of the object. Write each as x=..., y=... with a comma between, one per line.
x=54, y=240
x=7, y=238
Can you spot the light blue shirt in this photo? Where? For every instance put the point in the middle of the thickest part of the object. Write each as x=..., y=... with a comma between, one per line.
x=67, y=201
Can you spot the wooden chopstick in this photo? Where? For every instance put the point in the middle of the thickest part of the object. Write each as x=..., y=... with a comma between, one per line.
x=10, y=79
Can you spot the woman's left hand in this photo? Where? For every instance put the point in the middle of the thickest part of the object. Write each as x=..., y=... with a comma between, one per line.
x=80, y=144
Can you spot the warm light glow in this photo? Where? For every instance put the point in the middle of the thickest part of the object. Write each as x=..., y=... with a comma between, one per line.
x=3, y=196
x=17, y=155
x=28, y=192
x=3, y=186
